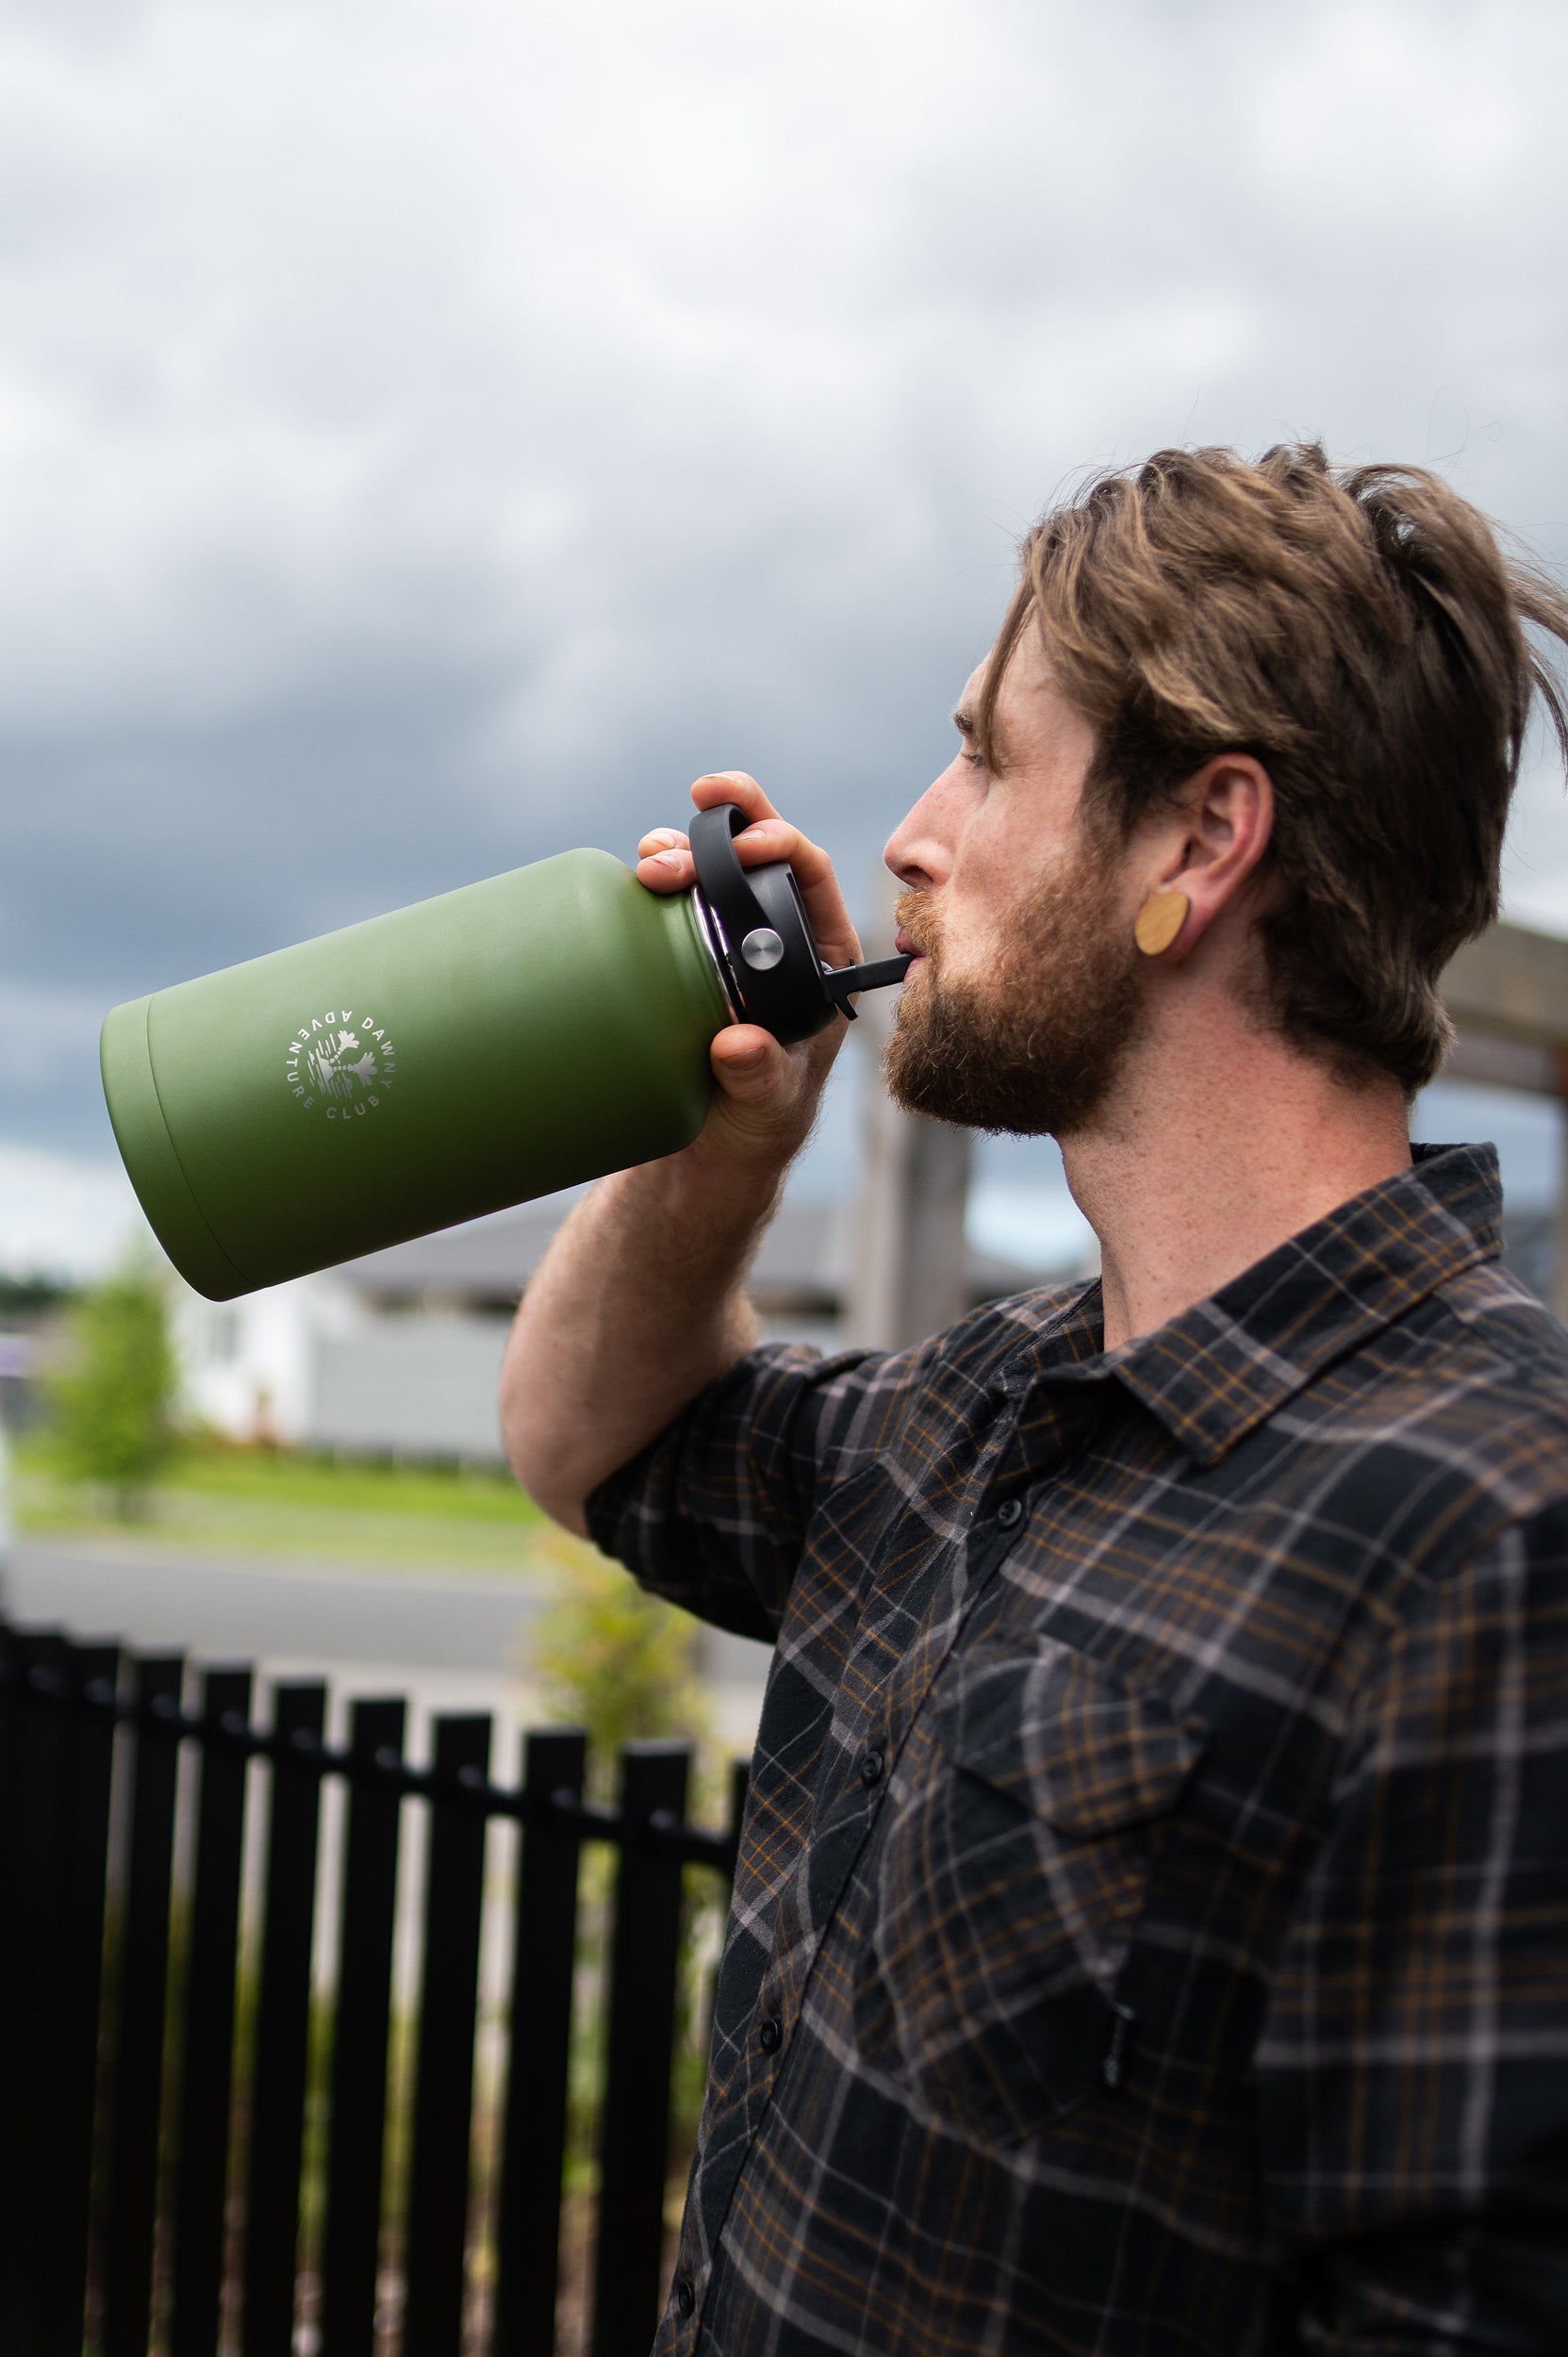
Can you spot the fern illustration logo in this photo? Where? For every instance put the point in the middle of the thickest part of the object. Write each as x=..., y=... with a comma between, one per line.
x=341, y=1064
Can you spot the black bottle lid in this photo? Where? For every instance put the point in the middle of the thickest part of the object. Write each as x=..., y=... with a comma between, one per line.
x=773, y=972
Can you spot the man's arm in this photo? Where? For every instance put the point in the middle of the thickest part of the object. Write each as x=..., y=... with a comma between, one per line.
x=639, y=1304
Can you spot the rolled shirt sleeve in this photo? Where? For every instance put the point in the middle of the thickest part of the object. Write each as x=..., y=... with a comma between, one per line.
x=713, y=1513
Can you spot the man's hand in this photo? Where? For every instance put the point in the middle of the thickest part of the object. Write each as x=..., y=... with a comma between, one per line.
x=639, y=1304
x=766, y=1095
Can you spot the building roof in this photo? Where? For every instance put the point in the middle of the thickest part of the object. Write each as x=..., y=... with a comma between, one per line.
x=803, y=1263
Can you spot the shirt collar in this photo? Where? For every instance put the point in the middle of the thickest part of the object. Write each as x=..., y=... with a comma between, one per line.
x=1216, y=1371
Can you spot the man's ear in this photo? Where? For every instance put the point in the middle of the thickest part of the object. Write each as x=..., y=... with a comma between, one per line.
x=1206, y=849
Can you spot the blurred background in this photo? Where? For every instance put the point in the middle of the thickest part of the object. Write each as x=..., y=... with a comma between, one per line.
x=432, y=432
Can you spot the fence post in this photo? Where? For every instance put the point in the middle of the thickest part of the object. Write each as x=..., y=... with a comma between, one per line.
x=282, y=2025
x=634, y=2127
x=32, y=1828
x=528, y=2221
x=361, y=2019
x=139, y=2023
x=53, y=1857
x=82, y=1870
x=443, y=2084
x=206, y=2067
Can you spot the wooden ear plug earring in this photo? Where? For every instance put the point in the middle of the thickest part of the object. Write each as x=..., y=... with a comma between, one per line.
x=1159, y=921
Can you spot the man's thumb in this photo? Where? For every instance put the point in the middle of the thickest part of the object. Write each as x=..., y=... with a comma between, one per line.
x=749, y=1064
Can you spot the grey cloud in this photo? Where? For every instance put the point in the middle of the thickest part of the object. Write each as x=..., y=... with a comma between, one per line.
x=429, y=434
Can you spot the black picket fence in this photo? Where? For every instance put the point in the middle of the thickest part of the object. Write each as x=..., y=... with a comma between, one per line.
x=153, y=2148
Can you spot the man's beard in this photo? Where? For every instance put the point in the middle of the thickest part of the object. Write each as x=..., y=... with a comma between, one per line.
x=1037, y=1046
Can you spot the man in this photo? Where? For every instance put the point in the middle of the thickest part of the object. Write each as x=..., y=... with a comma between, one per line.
x=1152, y=1928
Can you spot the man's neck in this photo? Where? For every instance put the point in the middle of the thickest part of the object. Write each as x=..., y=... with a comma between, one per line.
x=1215, y=1148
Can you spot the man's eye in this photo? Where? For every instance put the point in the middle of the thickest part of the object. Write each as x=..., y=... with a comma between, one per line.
x=975, y=760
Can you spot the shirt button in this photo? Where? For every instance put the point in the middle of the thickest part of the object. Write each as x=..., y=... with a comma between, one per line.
x=685, y=2298
x=1010, y=1511
x=770, y=2036
x=870, y=1768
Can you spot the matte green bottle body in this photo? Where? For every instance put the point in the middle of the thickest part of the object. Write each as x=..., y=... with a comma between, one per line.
x=475, y=1051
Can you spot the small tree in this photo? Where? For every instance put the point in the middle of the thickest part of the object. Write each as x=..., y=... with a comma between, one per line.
x=113, y=1400
x=614, y=1659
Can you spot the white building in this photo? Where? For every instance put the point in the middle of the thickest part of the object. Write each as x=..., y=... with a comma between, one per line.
x=398, y=1354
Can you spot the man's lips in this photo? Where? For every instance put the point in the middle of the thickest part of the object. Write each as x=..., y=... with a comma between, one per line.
x=905, y=947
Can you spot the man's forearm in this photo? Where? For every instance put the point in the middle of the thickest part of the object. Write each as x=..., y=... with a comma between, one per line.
x=639, y=1304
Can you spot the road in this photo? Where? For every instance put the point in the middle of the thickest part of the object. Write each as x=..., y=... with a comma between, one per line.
x=255, y=1608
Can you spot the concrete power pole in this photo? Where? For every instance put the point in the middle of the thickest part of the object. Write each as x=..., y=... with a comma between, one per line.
x=1507, y=993
x=907, y=1280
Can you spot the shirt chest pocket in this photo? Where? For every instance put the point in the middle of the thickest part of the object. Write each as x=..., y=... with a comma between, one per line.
x=1009, y=1880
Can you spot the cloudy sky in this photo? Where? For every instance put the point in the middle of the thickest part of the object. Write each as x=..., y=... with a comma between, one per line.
x=431, y=431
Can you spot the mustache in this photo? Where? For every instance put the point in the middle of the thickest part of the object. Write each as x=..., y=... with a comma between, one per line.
x=915, y=915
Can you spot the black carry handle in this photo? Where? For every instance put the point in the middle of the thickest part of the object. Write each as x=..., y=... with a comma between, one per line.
x=776, y=972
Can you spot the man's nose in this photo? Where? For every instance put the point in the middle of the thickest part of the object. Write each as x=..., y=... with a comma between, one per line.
x=919, y=849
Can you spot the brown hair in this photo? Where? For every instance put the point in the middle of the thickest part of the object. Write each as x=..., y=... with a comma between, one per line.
x=1362, y=632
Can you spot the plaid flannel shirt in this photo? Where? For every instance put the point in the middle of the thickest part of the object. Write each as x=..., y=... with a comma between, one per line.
x=1151, y=1925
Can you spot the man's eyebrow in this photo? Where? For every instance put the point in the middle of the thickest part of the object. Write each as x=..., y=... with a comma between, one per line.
x=964, y=719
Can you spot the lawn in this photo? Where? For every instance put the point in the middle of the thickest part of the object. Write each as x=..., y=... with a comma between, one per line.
x=248, y=1501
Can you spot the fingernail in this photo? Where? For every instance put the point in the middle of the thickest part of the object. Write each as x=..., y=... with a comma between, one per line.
x=667, y=859
x=748, y=1060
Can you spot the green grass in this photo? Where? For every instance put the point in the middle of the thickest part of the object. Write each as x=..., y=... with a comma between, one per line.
x=244, y=1501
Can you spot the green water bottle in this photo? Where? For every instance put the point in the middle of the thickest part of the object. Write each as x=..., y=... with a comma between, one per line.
x=475, y=1051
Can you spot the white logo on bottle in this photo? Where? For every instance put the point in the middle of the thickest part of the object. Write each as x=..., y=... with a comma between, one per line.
x=340, y=1064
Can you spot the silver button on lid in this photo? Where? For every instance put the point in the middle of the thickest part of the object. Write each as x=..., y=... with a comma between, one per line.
x=762, y=950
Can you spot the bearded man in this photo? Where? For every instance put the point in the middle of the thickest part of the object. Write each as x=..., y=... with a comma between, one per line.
x=1151, y=1926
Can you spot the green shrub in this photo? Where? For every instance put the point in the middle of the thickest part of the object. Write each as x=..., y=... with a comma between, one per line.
x=613, y=1659
x=112, y=1403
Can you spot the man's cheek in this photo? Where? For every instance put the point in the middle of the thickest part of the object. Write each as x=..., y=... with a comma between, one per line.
x=967, y=963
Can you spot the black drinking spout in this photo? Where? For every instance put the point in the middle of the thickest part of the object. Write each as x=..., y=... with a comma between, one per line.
x=880, y=974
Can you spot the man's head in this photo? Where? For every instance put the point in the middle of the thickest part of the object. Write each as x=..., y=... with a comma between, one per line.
x=1317, y=681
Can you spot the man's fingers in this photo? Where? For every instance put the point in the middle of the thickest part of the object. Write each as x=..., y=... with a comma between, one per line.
x=665, y=862
x=751, y=1067
x=766, y=836
x=776, y=839
x=733, y=786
